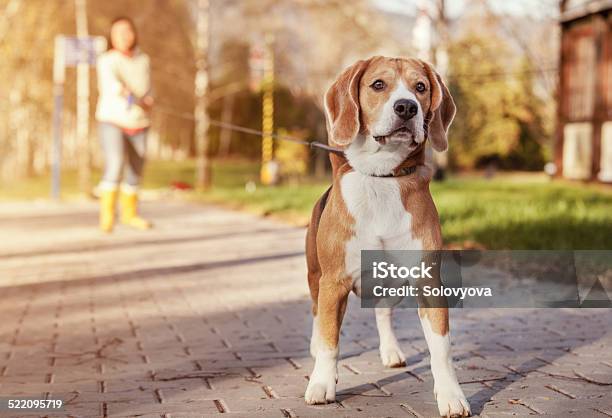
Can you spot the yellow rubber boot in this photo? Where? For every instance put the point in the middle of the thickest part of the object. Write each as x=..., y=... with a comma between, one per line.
x=108, y=200
x=129, y=212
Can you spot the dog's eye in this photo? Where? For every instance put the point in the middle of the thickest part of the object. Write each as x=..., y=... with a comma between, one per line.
x=378, y=85
x=420, y=87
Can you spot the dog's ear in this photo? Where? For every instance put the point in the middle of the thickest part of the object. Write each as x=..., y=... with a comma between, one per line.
x=441, y=110
x=342, y=107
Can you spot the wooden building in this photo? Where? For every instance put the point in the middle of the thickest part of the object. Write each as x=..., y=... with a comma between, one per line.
x=584, y=137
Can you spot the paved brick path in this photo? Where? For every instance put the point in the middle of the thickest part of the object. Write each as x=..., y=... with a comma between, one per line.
x=208, y=315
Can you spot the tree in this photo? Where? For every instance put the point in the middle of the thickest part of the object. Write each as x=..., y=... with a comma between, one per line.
x=499, y=118
x=203, y=175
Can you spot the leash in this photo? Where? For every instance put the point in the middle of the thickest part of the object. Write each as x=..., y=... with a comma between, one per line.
x=255, y=132
x=405, y=171
x=250, y=131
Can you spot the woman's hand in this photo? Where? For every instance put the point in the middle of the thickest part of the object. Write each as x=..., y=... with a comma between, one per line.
x=147, y=102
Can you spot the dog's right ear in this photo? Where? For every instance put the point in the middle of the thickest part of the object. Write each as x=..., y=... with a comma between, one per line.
x=342, y=105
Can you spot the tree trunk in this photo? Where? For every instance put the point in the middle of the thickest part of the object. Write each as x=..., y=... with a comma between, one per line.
x=202, y=122
x=82, y=105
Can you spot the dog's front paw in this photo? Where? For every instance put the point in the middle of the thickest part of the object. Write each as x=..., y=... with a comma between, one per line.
x=322, y=384
x=452, y=402
x=392, y=356
x=320, y=392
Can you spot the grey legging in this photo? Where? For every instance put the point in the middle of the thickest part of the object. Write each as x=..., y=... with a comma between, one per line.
x=122, y=151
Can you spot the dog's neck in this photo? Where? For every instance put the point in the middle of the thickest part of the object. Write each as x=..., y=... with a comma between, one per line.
x=340, y=163
x=410, y=164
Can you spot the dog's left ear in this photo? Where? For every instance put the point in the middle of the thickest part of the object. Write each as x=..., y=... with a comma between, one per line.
x=441, y=110
x=342, y=105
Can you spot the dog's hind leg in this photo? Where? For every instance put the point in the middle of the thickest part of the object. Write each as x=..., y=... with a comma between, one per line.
x=390, y=352
x=313, y=281
x=314, y=268
x=314, y=276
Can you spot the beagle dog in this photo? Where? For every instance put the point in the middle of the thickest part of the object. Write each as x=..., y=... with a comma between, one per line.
x=380, y=112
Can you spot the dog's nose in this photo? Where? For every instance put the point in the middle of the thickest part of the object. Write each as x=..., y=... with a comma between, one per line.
x=405, y=108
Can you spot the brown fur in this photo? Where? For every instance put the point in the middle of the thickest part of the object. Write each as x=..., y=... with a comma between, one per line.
x=351, y=107
x=418, y=202
x=342, y=104
x=442, y=112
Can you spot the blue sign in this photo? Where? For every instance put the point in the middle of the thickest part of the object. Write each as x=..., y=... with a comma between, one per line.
x=81, y=50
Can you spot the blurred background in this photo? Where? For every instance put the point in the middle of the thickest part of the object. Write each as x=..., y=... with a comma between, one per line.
x=531, y=79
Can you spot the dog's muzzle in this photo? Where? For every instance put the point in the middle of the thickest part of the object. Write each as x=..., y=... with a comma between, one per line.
x=403, y=132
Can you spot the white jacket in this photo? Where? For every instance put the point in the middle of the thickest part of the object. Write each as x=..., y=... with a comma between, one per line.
x=115, y=71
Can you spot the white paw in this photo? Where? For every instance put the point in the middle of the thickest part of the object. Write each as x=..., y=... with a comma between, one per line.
x=320, y=392
x=322, y=385
x=452, y=402
x=392, y=356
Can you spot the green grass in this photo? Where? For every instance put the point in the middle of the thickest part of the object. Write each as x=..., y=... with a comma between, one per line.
x=524, y=212
x=38, y=187
x=290, y=202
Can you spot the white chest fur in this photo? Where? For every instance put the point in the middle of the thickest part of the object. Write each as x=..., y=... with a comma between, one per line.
x=381, y=220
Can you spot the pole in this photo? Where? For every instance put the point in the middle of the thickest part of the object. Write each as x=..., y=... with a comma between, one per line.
x=202, y=121
x=58, y=101
x=82, y=105
x=431, y=35
x=422, y=30
x=59, y=75
x=267, y=174
x=441, y=62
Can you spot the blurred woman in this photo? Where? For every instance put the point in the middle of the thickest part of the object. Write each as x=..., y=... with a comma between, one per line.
x=124, y=104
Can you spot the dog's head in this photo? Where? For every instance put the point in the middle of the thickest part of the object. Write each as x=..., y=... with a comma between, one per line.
x=381, y=110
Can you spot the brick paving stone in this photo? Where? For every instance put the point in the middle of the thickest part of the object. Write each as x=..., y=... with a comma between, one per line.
x=208, y=315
